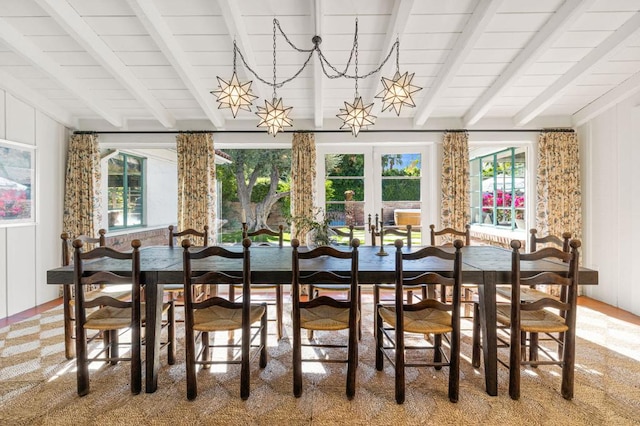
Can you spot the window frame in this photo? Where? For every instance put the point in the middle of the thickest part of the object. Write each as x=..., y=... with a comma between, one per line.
x=477, y=209
x=125, y=182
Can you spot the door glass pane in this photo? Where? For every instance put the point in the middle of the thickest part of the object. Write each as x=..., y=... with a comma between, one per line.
x=400, y=191
x=344, y=191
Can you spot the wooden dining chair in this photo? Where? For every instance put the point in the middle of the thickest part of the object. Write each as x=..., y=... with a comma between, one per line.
x=174, y=290
x=278, y=299
x=378, y=288
x=532, y=294
x=445, y=238
x=317, y=289
x=348, y=235
x=219, y=314
x=538, y=317
x=68, y=301
x=111, y=316
x=427, y=317
x=325, y=313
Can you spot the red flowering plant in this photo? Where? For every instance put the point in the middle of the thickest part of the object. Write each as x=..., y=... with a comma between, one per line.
x=14, y=204
x=503, y=199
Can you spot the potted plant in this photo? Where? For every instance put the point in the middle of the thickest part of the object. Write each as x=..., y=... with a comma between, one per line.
x=314, y=228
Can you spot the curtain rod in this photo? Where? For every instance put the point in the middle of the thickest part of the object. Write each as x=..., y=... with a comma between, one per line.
x=90, y=132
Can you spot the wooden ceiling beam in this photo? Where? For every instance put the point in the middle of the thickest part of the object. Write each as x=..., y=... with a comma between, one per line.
x=605, y=50
x=557, y=25
x=147, y=12
x=28, y=50
x=67, y=17
x=477, y=24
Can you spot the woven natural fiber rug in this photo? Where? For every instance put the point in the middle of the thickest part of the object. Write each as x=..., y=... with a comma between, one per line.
x=38, y=386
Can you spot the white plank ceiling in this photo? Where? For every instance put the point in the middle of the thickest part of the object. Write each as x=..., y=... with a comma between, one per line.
x=150, y=64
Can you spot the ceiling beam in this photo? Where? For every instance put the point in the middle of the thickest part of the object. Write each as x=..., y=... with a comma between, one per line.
x=36, y=100
x=397, y=23
x=623, y=91
x=83, y=34
x=28, y=50
x=154, y=23
x=235, y=24
x=318, y=85
x=600, y=53
x=555, y=26
x=477, y=24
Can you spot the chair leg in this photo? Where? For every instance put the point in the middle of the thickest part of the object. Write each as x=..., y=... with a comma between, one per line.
x=359, y=316
x=82, y=364
x=263, y=338
x=171, y=331
x=515, y=353
x=533, y=348
x=115, y=346
x=379, y=338
x=454, y=366
x=297, y=359
x=69, y=351
x=476, y=345
x=437, y=354
x=568, y=366
x=204, y=340
x=279, y=313
x=352, y=362
x=400, y=377
x=190, y=354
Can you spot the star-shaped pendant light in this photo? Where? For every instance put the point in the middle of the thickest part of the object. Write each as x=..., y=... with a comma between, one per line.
x=274, y=116
x=397, y=92
x=356, y=116
x=234, y=95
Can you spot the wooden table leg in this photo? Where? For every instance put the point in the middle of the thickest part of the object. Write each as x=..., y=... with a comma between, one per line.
x=487, y=298
x=153, y=298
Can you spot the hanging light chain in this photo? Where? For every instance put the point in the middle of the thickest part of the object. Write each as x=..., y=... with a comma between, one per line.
x=324, y=62
x=356, y=47
x=274, y=59
x=397, y=54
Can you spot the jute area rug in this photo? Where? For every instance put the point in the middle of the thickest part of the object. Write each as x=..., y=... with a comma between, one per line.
x=38, y=386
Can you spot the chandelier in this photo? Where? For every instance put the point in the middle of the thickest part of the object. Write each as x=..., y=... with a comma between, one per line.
x=274, y=116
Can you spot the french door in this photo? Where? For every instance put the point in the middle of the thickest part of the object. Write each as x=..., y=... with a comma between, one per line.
x=367, y=185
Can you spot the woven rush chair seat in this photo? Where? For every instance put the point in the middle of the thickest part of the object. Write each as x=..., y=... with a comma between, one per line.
x=109, y=317
x=324, y=317
x=540, y=321
x=527, y=295
x=423, y=321
x=219, y=318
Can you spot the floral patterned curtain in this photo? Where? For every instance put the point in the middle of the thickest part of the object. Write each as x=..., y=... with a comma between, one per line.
x=82, y=192
x=196, y=183
x=559, y=197
x=455, y=180
x=303, y=177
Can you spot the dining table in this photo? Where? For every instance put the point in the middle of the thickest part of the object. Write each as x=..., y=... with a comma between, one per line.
x=484, y=266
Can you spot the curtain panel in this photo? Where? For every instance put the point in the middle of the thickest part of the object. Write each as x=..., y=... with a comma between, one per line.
x=303, y=177
x=455, y=209
x=82, y=189
x=559, y=195
x=197, y=201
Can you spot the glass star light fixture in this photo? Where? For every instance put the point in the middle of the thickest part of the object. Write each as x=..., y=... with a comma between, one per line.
x=274, y=116
x=397, y=92
x=356, y=116
x=233, y=94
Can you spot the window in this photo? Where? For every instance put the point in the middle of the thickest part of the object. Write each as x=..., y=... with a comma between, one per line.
x=344, y=188
x=126, y=191
x=497, y=184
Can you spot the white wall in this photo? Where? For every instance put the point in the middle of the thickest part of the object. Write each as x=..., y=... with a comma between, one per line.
x=26, y=252
x=610, y=145
x=162, y=192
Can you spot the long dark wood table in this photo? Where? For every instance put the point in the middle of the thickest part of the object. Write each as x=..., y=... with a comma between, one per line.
x=485, y=266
